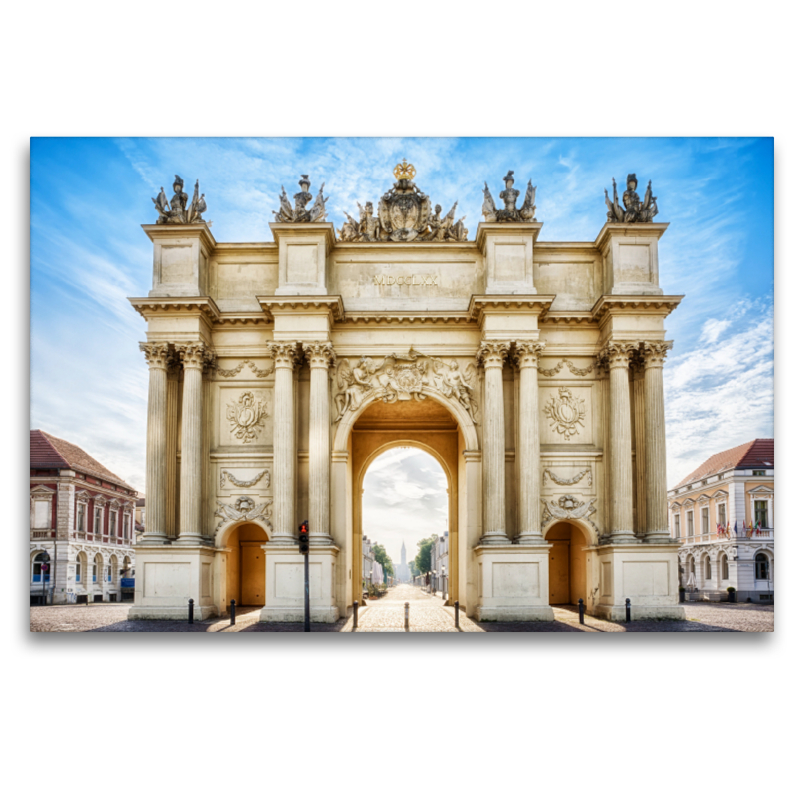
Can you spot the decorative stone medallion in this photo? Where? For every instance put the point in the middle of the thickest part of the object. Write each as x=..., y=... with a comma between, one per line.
x=246, y=417
x=565, y=413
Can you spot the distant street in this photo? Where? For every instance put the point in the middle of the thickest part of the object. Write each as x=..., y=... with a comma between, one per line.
x=427, y=614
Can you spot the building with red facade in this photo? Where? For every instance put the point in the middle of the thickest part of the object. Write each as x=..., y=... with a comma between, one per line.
x=82, y=526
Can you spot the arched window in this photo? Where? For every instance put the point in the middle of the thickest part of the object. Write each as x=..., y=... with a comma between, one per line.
x=708, y=568
x=723, y=565
x=97, y=567
x=762, y=567
x=78, y=568
x=691, y=565
x=41, y=566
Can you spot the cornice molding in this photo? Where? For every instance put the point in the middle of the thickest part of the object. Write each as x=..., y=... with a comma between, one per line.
x=480, y=305
x=634, y=304
x=173, y=306
x=411, y=318
x=190, y=231
x=331, y=305
x=629, y=229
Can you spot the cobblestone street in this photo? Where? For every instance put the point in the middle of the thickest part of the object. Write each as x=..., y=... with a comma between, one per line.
x=428, y=614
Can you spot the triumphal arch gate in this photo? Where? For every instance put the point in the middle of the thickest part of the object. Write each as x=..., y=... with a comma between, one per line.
x=531, y=370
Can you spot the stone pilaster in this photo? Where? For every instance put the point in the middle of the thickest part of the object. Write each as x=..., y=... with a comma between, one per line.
x=286, y=356
x=621, y=471
x=526, y=356
x=492, y=354
x=639, y=447
x=194, y=357
x=157, y=356
x=655, y=441
x=320, y=357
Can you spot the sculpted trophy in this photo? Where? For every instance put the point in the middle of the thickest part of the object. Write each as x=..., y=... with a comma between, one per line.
x=635, y=210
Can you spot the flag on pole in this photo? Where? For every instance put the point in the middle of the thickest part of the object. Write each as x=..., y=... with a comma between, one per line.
x=736, y=527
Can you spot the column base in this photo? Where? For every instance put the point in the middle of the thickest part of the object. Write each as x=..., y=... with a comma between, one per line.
x=513, y=582
x=191, y=540
x=494, y=539
x=320, y=540
x=283, y=540
x=153, y=539
x=529, y=538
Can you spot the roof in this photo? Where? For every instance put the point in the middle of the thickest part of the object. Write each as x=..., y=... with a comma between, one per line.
x=758, y=454
x=50, y=452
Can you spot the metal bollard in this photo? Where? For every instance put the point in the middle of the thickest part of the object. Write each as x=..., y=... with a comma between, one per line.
x=191, y=611
x=581, y=609
x=406, y=616
x=455, y=605
x=627, y=609
x=355, y=615
x=233, y=612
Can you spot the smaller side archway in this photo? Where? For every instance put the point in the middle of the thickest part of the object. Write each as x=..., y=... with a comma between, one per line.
x=245, y=567
x=568, y=563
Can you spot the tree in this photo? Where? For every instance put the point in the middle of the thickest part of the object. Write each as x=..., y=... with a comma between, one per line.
x=422, y=561
x=379, y=552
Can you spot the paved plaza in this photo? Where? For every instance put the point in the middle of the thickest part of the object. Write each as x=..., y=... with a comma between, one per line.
x=428, y=614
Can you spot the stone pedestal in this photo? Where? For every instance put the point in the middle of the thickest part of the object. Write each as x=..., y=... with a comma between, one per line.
x=285, y=584
x=508, y=254
x=646, y=574
x=514, y=583
x=303, y=256
x=630, y=257
x=167, y=576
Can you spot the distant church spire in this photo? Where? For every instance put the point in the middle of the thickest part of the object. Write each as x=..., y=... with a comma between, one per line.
x=403, y=554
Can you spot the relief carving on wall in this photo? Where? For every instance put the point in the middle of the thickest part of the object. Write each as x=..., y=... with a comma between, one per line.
x=243, y=484
x=568, y=507
x=565, y=362
x=247, y=416
x=244, y=509
x=566, y=481
x=259, y=373
x=402, y=377
x=565, y=413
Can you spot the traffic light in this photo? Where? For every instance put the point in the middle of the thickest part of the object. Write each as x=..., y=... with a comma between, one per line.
x=304, y=538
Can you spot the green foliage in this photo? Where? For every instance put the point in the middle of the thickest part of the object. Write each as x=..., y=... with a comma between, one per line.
x=379, y=552
x=422, y=561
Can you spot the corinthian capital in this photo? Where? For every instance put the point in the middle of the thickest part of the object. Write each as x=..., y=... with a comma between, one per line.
x=319, y=355
x=286, y=355
x=618, y=354
x=526, y=353
x=157, y=355
x=194, y=355
x=655, y=353
x=493, y=354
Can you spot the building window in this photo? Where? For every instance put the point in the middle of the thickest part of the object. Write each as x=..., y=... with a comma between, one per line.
x=112, y=523
x=41, y=566
x=78, y=569
x=94, y=571
x=762, y=567
x=723, y=563
x=81, y=526
x=677, y=526
x=704, y=519
x=108, y=574
x=721, y=516
x=761, y=513
x=98, y=521
x=690, y=523
x=759, y=472
x=708, y=568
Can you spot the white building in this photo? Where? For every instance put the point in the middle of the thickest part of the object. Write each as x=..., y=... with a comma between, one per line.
x=82, y=517
x=723, y=516
x=369, y=560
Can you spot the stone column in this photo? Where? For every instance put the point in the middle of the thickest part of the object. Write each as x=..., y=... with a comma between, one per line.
x=618, y=355
x=284, y=451
x=157, y=356
x=492, y=355
x=527, y=359
x=320, y=358
x=655, y=441
x=193, y=357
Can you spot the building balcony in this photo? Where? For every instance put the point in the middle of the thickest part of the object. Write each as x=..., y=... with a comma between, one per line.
x=43, y=534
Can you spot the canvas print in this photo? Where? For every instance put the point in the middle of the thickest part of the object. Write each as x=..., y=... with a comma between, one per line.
x=402, y=385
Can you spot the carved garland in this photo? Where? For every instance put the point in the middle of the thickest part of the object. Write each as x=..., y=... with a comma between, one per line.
x=242, y=484
x=568, y=507
x=259, y=373
x=565, y=362
x=566, y=481
x=243, y=510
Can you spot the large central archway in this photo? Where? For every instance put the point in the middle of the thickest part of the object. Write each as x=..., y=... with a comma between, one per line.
x=440, y=428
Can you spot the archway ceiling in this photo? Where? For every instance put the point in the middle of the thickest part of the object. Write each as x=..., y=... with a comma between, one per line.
x=411, y=415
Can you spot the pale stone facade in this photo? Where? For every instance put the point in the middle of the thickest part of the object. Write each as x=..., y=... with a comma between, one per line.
x=723, y=517
x=531, y=370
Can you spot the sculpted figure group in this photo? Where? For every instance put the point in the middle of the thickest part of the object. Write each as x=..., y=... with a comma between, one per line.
x=405, y=213
x=403, y=377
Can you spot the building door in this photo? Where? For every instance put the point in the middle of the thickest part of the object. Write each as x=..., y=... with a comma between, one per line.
x=559, y=573
x=253, y=574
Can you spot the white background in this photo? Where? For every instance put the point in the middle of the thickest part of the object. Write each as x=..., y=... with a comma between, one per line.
x=644, y=716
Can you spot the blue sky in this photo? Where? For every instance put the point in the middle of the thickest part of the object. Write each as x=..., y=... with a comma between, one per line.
x=88, y=253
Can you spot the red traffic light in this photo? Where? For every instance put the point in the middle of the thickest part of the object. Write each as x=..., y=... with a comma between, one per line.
x=304, y=527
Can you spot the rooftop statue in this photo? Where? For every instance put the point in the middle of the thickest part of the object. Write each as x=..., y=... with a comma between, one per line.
x=635, y=210
x=404, y=215
x=509, y=212
x=176, y=211
x=301, y=200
